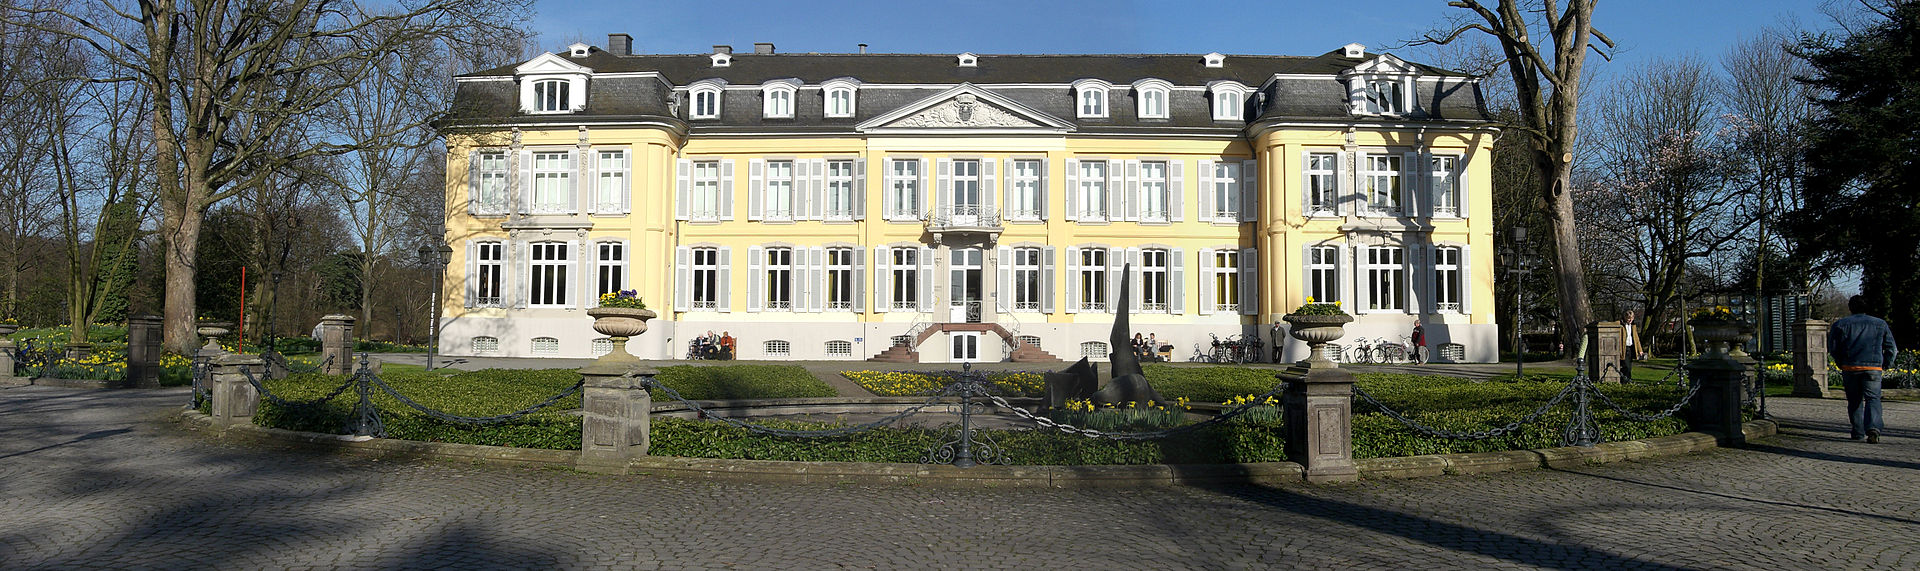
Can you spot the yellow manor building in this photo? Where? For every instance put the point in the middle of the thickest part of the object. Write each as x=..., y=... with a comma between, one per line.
x=966, y=207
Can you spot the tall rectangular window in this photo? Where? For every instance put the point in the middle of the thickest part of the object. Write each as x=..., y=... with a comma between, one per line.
x=779, y=103
x=903, y=188
x=1024, y=198
x=965, y=193
x=1093, y=191
x=840, y=278
x=1093, y=279
x=905, y=279
x=839, y=190
x=610, y=267
x=705, y=195
x=1382, y=178
x=552, y=95
x=611, y=191
x=706, y=104
x=488, y=190
x=1153, y=192
x=1323, y=274
x=779, y=278
x=706, y=278
x=1323, y=190
x=1446, y=279
x=1226, y=280
x=490, y=262
x=552, y=183
x=1153, y=280
x=1026, y=279
x=1446, y=185
x=547, y=283
x=840, y=102
x=1226, y=191
x=779, y=190
x=1386, y=278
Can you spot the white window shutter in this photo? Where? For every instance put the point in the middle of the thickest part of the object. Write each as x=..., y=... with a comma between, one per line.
x=626, y=267
x=1176, y=191
x=726, y=189
x=1177, y=280
x=926, y=280
x=1041, y=189
x=1249, y=281
x=1073, y=280
x=1116, y=190
x=1343, y=188
x=756, y=278
x=573, y=182
x=589, y=175
x=859, y=192
x=944, y=190
x=725, y=295
x=1460, y=196
x=1133, y=191
x=1206, y=282
x=859, y=282
x=1073, y=191
x=682, y=278
x=987, y=187
x=682, y=189
x=888, y=202
x=882, y=296
x=1116, y=259
x=1133, y=261
x=1306, y=183
x=1411, y=203
x=523, y=192
x=816, y=190
x=756, y=189
x=473, y=183
x=1046, y=279
x=473, y=274
x=920, y=194
x=576, y=287
x=1204, y=192
x=1003, y=265
x=626, y=182
x=1249, y=191
x=816, y=281
x=523, y=265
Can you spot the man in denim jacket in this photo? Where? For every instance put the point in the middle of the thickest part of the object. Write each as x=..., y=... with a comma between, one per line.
x=1863, y=346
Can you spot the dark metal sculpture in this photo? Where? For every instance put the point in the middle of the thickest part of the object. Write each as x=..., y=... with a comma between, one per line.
x=1129, y=384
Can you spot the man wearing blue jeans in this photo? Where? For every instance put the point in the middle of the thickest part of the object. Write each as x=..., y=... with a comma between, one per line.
x=1863, y=347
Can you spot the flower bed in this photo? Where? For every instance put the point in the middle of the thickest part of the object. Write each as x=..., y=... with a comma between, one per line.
x=908, y=383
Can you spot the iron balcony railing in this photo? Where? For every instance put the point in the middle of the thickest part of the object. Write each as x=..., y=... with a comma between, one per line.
x=959, y=217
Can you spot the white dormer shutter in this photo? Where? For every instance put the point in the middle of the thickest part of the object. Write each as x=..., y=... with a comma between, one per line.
x=1133, y=191
x=1176, y=191
x=1249, y=281
x=1046, y=279
x=756, y=189
x=882, y=296
x=756, y=278
x=1073, y=280
x=926, y=280
x=1204, y=193
x=682, y=278
x=726, y=189
x=1177, y=280
x=859, y=191
x=1073, y=191
x=1249, y=191
x=1116, y=190
x=1206, y=281
x=682, y=189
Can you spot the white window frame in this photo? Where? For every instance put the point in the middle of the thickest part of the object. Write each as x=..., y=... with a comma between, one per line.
x=839, y=348
x=1090, y=99
x=904, y=280
x=1091, y=278
x=1448, y=297
x=778, y=199
x=1152, y=99
x=549, y=271
x=776, y=100
x=842, y=282
x=552, y=95
x=777, y=348
x=1322, y=186
x=705, y=270
x=704, y=193
x=1026, y=189
x=485, y=344
x=841, y=200
x=1444, y=174
x=1384, y=275
x=1155, y=190
x=1225, y=192
x=1385, y=95
x=1028, y=284
x=1156, y=266
x=905, y=187
x=487, y=186
x=703, y=101
x=489, y=275
x=610, y=264
x=544, y=346
x=836, y=92
x=1092, y=191
x=776, y=278
x=1229, y=100
x=1224, y=279
x=550, y=191
x=1378, y=202
x=613, y=172
x=1323, y=274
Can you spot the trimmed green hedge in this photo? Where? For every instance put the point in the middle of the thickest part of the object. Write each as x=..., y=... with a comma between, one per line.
x=1234, y=442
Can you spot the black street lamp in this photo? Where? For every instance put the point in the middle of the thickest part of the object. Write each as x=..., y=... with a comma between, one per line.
x=436, y=258
x=1519, y=268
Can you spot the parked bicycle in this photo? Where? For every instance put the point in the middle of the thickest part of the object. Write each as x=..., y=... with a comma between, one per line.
x=1234, y=349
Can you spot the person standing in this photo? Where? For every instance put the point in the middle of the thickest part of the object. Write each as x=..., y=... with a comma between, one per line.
x=1863, y=346
x=1419, y=341
x=1630, y=346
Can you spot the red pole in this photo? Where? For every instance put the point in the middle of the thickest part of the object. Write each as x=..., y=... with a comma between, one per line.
x=241, y=329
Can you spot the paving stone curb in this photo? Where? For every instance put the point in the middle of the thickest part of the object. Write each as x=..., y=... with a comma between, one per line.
x=996, y=476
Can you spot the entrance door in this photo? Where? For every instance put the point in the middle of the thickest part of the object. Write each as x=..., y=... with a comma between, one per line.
x=963, y=285
x=966, y=346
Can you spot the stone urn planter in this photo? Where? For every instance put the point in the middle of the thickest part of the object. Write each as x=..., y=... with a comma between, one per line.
x=8, y=328
x=212, y=330
x=1717, y=333
x=1317, y=331
x=620, y=324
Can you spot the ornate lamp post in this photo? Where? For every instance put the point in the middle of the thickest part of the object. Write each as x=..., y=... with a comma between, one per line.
x=435, y=256
x=1518, y=266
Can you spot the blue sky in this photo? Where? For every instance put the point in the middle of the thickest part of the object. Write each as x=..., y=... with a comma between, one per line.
x=1644, y=28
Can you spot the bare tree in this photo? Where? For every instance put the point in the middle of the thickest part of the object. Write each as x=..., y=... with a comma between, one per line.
x=26, y=107
x=1546, y=80
x=1769, y=111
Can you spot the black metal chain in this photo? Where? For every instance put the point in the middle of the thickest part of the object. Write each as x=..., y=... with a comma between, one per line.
x=1693, y=389
x=1223, y=417
x=1480, y=435
x=475, y=420
x=284, y=403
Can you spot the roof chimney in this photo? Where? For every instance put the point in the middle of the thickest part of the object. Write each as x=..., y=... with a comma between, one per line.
x=620, y=44
x=763, y=48
x=720, y=49
x=863, y=48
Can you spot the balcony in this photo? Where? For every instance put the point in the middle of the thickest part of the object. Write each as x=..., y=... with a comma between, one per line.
x=982, y=219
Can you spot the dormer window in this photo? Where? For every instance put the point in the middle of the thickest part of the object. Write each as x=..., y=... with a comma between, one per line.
x=705, y=99
x=968, y=60
x=1386, y=96
x=1090, y=96
x=777, y=100
x=1229, y=101
x=579, y=49
x=722, y=60
x=1150, y=98
x=1353, y=51
x=552, y=96
x=1214, y=59
x=1381, y=86
x=840, y=98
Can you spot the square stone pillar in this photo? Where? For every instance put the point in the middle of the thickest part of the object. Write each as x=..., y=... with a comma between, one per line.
x=1715, y=409
x=143, y=351
x=1810, y=359
x=336, y=344
x=1319, y=421
x=7, y=351
x=1603, y=354
x=614, y=416
x=234, y=398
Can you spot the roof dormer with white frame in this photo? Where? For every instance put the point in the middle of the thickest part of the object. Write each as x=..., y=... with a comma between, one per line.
x=1383, y=85
x=842, y=97
x=1229, y=100
x=777, y=97
x=1090, y=98
x=551, y=84
x=1153, y=98
x=704, y=97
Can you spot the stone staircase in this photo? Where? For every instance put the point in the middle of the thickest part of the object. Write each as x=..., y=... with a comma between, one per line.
x=1022, y=352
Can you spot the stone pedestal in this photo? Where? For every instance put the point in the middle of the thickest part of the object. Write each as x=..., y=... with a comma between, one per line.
x=614, y=416
x=1810, y=359
x=336, y=344
x=234, y=398
x=1603, y=355
x=143, y=351
x=8, y=350
x=1319, y=421
x=1716, y=409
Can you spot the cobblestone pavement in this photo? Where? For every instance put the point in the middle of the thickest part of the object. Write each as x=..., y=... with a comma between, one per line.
x=101, y=479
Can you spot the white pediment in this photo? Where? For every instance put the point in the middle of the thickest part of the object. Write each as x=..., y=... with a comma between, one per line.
x=967, y=107
x=1384, y=64
x=550, y=63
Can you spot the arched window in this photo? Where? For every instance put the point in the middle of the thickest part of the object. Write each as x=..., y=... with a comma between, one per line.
x=706, y=102
x=546, y=346
x=779, y=348
x=486, y=345
x=777, y=100
x=840, y=101
x=837, y=348
x=1229, y=101
x=602, y=346
x=1033, y=340
x=1090, y=96
x=1150, y=98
